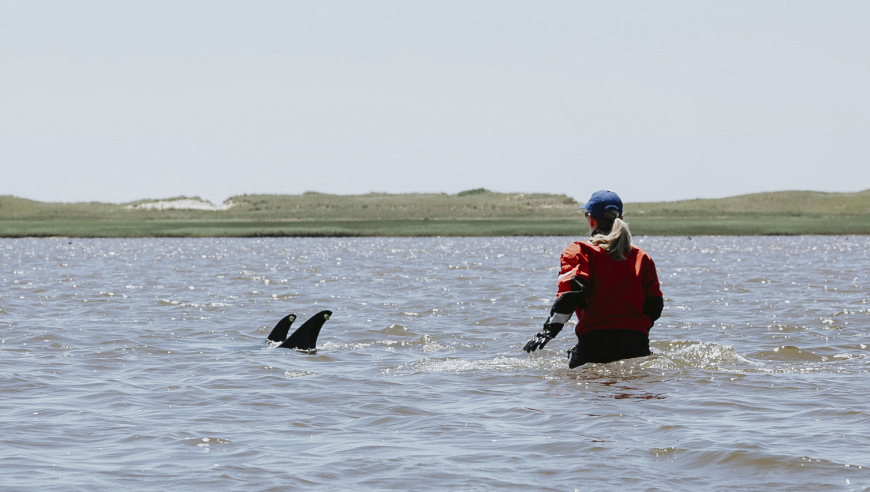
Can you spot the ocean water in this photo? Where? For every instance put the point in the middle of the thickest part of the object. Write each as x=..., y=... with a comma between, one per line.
x=141, y=364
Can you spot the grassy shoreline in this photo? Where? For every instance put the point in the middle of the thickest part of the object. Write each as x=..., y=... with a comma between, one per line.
x=472, y=213
x=427, y=228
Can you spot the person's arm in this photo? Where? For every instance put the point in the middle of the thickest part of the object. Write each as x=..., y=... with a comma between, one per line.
x=573, y=289
x=652, y=307
x=566, y=304
x=560, y=313
x=654, y=302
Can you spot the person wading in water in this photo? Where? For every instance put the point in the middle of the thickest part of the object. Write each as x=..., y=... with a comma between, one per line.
x=611, y=285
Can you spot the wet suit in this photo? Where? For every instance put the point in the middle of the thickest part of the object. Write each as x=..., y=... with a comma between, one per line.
x=616, y=302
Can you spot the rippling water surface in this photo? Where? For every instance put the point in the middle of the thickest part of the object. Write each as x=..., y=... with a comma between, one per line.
x=141, y=363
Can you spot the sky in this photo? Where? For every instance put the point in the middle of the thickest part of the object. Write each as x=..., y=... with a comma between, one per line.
x=664, y=100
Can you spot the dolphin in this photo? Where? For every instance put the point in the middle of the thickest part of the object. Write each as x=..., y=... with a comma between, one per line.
x=304, y=338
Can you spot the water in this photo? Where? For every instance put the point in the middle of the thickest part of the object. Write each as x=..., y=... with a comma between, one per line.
x=141, y=363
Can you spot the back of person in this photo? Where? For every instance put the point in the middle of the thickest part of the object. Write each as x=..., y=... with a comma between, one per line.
x=610, y=284
x=617, y=289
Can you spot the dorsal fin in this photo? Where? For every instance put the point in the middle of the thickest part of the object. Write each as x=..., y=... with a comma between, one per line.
x=305, y=338
x=279, y=333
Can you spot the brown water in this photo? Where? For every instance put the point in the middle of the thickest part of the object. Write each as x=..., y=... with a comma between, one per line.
x=141, y=364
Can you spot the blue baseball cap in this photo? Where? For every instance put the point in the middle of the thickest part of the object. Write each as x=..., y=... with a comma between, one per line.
x=602, y=201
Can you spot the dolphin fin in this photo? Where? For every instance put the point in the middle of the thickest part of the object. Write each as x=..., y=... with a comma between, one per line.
x=305, y=338
x=279, y=333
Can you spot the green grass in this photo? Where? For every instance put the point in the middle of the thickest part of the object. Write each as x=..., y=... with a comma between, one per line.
x=788, y=203
x=749, y=226
x=491, y=227
x=476, y=212
x=244, y=228
x=473, y=204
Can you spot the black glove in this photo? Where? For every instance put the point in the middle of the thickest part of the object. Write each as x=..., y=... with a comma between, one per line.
x=538, y=341
x=551, y=328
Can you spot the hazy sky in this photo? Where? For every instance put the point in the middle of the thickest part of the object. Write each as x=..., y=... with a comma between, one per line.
x=123, y=100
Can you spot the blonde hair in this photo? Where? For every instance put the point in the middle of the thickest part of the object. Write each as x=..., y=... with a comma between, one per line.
x=612, y=235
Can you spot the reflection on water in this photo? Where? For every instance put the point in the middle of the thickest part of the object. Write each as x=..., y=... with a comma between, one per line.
x=141, y=363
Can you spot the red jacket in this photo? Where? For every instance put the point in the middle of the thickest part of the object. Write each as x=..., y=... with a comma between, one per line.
x=616, y=290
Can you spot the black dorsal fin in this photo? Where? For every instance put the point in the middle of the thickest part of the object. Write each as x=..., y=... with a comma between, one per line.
x=305, y=338
x=279, y=333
